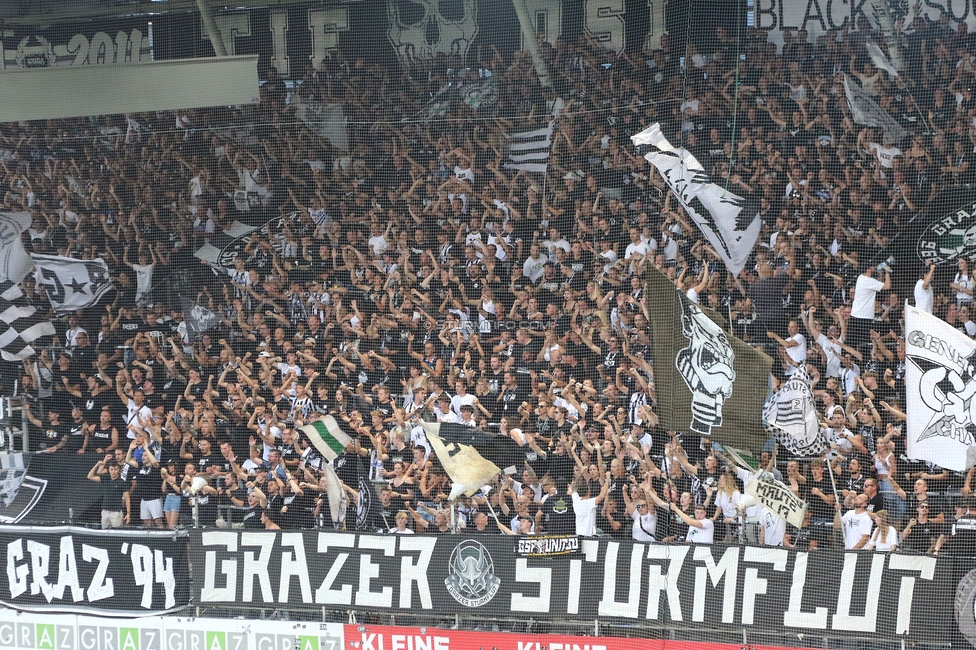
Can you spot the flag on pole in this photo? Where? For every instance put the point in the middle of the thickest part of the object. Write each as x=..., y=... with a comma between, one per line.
x=730, y=223
x=867, y=111
x=791, y=416
x=338, y=501
x=480, y=93
x=529, y=150
x=880, y=60
x=20, y=323
x=940, y=381
x=707, y=381
x=468, y=469
x=198, y=318
x=328, y=437
x=71, y=284
x=327, y=120
x=15, y=263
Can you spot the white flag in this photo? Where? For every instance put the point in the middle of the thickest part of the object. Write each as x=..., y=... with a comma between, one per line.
x=71, y=284
x=777, y=497
x=866, y=111
x=327, y=120
x=791, y=416
x=529, y=150
x=15, y=263
x=198, y=318
x=729, y=222
x=880, y=60
x=940, y=385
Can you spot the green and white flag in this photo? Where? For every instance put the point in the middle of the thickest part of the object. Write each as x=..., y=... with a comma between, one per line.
x=327, y=436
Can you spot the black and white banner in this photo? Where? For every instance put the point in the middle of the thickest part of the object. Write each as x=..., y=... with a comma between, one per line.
x=72, y=284
x=729, y=222
x=327, y=120
x=855, y=593
x=791, y=416
x=198, y=318
x=939, y=387
x=777, y=497
x=66, y=569
x=529, y=150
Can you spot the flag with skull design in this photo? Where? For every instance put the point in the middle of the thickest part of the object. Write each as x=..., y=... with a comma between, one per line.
x=707, y=382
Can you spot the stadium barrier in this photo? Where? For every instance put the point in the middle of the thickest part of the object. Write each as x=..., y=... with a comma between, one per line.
x=650, y=590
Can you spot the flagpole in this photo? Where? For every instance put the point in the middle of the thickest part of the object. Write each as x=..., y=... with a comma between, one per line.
x=493, y=513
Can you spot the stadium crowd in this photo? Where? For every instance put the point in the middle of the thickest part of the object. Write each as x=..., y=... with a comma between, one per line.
x=417, y=277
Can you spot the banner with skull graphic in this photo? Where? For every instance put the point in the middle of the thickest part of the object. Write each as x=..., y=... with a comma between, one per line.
x=940, y=382
x=716, y=384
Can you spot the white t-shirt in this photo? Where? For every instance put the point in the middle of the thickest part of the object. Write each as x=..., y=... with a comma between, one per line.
x=534, y=268
x=458, y=401
x=833, y=352
x=144, y=276
x=924, y=298
x=774, y=527
x=889, y=542
x=865, y=291
x=963, y=298
x=798, y=352
x=585, y=510
x=856, y=526
x=703, y=535
x=644, y=526
x=885, y=155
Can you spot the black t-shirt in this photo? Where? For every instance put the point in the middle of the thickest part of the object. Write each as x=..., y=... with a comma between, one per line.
x=76, y=436
x=252, y=518
x=112, y=494
x=559, y=515
x=51, y=434
x=921, y=535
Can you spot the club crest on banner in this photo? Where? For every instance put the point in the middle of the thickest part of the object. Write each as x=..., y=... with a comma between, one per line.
x=471, y=576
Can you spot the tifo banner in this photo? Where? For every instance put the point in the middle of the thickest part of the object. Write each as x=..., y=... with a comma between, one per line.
x=819, y=17
x=716, y=384
x=20, y=631
x=721, y=588
x=66, y=569
x=378, y=637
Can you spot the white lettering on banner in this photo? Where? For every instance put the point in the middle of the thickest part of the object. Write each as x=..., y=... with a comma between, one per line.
x=294, y=565
x=925, y=566
x=228, y=568
x=279, y=42
x=68, y=571
x=609, y=606
x=325, y=25
x=591, y=550
x=101, y=586
x=753, y=585
x=793, y=616
x=843, y=619
x=40, y=563
x=657, y=582
x=369, y=570
x=325, y=594
x=36, y=51
x=547, y=16
x=535, y=645
x=16, y=574
x=727, y=567
x=604, y=22
x=541, y=576
x=411, y=572
x=257, y=567
x=820, y=17
x=229, y=26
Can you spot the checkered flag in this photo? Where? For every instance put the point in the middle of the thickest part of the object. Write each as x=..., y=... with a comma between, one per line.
x=20, y=323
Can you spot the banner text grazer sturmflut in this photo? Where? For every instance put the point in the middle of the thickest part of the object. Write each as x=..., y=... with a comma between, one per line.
x=852, y=594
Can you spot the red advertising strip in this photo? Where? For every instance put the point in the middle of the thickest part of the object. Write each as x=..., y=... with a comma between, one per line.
x=379, y=637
